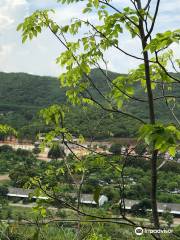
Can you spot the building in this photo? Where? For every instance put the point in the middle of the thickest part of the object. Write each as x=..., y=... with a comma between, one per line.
x=174, y=207
x=25, y=193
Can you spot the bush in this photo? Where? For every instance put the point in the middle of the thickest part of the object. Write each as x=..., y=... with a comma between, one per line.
x=61, y=214
x=23, y=152
x=56, y=152
x=111, y=193
x=140, y=209
x=36, y=150
x=140, y=149
x=6, y=148
x=167, y=216
x=3, y=191
x=115, y=148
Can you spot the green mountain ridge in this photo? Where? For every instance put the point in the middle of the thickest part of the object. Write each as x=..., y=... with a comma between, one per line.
x=23, y=95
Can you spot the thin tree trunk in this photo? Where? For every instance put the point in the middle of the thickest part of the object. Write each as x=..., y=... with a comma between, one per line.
x=152, y=121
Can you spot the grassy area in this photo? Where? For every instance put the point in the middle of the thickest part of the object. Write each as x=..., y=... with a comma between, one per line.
x=16, y=213
x=92, y=232
x=68, y=231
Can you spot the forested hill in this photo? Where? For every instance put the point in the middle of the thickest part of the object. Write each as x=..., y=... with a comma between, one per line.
x=23, y=95
x=20, y=89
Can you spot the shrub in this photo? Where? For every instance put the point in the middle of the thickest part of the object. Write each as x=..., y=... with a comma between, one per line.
x=6, y=148
x=115, y=148
x=56, y=152
x=140, y=209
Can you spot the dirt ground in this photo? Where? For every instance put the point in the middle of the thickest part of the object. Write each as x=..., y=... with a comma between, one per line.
x=177, y=221
x=4, y=177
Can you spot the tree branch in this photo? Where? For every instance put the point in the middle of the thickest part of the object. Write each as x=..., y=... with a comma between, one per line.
x=154, y=20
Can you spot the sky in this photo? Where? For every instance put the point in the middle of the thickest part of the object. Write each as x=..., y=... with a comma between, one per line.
x=38, y=56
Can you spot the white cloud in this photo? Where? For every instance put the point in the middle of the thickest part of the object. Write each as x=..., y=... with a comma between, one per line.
x=5, y=21
x=5, y=49
x=38, y=57
x=18, y=2
x=11, y=11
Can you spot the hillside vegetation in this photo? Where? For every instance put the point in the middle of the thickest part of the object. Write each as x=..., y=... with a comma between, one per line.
x=23, y=95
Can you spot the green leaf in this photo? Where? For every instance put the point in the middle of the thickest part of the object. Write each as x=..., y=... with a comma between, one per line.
x=165, y=138
x=43, y=212
x=65, y=28
x=7, y=130
x=19, y=26
x=24, y=39
x=38, y=28
x=85, y=10
x=81, y=139
x=172, y=151
x=96, y=3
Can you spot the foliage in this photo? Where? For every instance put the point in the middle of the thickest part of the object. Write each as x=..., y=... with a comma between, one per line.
x=140, y=149
x=79, y=57
x=164, y=40
x=3, y=191
x=165, y=138
x=3, y=195
x=56, y=152
x=20, y=104
x=167, y=217
x=6, y=148
x=36, y=150
x=116, y=148
x=6, y=130
x=140, y=209
x=10, y=158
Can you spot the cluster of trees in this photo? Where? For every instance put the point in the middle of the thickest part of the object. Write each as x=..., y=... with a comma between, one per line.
x=55, y=176
x=139, y=97
x=23, y=165
x=9, y=158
